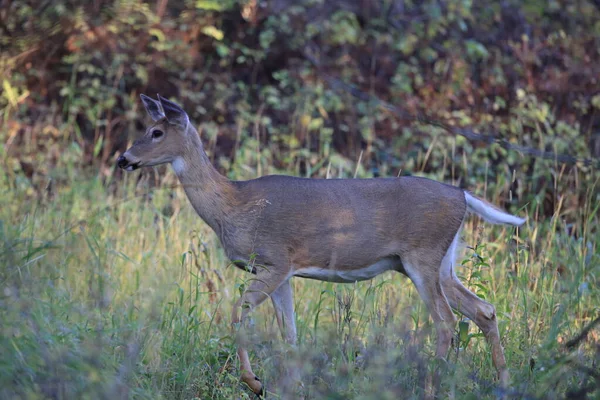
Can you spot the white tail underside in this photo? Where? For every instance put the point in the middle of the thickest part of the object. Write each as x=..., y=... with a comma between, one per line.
x=490, y=213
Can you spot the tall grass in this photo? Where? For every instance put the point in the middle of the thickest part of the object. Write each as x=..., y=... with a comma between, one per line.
x=115, y=290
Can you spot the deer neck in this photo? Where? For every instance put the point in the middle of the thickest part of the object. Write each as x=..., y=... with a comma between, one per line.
x=212, y=195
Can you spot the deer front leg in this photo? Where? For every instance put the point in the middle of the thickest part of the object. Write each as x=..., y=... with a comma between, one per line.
x=266, y=282
x=425, y=275
x=283, y=303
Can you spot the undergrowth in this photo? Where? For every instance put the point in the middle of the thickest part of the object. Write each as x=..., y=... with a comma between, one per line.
x=115, y=289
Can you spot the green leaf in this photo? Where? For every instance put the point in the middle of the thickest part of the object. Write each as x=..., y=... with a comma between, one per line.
x=98, y=146
x=213, y=32
x=211, y=5
x=463, y=332
x=315, y=124
x=160, y=36
x=11, y=93
x=476, y=50
x=596, y=101
x=183, y=258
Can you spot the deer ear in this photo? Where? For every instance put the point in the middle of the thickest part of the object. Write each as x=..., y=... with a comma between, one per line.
x=153, y=108
x=175, y=114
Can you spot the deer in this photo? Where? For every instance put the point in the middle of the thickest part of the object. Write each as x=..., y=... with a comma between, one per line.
x=278, y=227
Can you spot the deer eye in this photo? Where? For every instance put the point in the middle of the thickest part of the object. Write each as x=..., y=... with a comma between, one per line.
x=157, y=133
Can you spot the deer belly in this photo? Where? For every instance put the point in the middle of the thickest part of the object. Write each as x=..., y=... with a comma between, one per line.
x=348, y=275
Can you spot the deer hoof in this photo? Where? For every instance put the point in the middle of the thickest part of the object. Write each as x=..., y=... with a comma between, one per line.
x=254, y=384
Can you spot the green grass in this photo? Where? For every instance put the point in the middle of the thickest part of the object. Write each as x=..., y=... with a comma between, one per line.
x=112, y=290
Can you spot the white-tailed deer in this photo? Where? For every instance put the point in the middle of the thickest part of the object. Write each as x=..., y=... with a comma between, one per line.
x=338, y=230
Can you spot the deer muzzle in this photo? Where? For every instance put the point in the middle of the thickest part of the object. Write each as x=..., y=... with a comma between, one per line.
x=127, y=165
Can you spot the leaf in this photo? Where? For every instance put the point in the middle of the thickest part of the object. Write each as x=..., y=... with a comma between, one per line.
x=266, y=38
x=213, y=32
x=98, y=146
x=596, y=101
x=160, y=36
x=463, y=332
x=215, y=5
x=10, y=93
x=345, y=28
x=183, y=258
x=408, y=43
x=476, y=50
x=315, y=124
x=242, y=289
x=222, y=50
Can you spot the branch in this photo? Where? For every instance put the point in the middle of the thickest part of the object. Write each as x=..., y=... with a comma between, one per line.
x=582, y=335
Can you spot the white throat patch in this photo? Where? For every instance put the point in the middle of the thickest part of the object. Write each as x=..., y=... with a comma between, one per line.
x=178, y=165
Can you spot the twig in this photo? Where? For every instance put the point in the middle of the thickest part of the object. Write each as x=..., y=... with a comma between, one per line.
x=582, y=335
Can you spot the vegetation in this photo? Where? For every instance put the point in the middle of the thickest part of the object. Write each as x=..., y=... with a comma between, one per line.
x=112, y=287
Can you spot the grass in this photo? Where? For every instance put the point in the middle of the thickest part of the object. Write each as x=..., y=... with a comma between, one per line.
x=117, y=290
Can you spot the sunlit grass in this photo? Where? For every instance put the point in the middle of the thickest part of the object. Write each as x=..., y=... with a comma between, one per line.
x=120, y=290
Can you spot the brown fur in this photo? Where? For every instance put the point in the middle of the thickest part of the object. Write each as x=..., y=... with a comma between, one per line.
x=311, y=219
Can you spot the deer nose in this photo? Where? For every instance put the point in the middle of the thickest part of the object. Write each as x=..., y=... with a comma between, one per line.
x=122, y=162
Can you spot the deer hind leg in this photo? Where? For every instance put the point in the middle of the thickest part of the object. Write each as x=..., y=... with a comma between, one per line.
x=484, y=315
x=426, y=277
x=479, y=311
x=261, y=287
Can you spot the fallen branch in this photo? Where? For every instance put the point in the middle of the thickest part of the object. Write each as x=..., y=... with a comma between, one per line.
x=582, y=335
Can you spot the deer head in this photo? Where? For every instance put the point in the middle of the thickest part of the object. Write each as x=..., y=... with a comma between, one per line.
x=164, y=141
